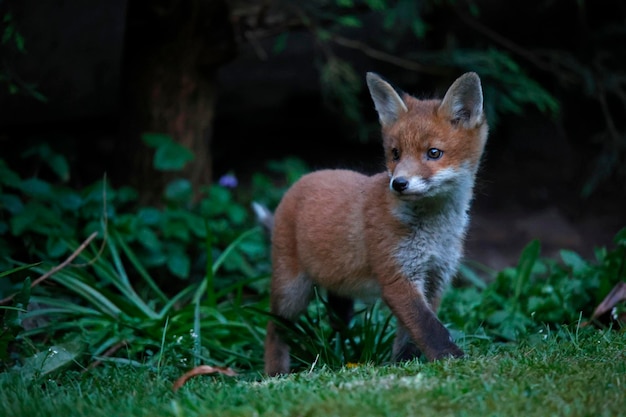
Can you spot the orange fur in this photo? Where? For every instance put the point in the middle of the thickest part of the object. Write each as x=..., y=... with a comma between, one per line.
x=398, y=234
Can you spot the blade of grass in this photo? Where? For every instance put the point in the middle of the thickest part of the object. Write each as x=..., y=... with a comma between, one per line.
x=529, y=256
x=101, y=302
x=18, y=268
x=207, y=285
x=209, y=279
x=167, y=321
x=138, y=266
x=178, y=297
x=124, y=283
x=197, y=339
x=220, y=259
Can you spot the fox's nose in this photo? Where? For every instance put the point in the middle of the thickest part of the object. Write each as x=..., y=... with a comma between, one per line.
x=399, y=184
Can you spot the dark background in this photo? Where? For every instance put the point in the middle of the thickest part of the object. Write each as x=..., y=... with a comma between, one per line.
x=92, y=61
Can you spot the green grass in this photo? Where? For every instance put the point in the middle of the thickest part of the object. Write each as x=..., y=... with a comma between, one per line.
x=582, y=373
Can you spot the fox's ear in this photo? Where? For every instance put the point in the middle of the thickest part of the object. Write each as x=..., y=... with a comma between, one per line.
x=463, y=102
x=388, y=103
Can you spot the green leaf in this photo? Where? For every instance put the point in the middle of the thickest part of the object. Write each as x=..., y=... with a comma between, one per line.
x=349, y=21
x=179, y=190
x=195, y=224
x=280, y=43
x=179, y=264
x=35, y=217
x=217, y=202
x=8, y=177
x=169, y=155
x=573, y=260
x=237, y=214
x=323, y=34
x=155, y=140
x=68, y=199
x=149, y=216
x=620, y=237
x=8, y=33
x=176, y=228
x=52, y=359
x=526, y=263
x=19, y=42
x=149, y=239
x=59, y=166
x=419, y=28
x=55, y=247
x=11, y=203
x=35, y=187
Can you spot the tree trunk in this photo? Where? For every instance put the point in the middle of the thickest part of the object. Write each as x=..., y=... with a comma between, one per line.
x=173, y=50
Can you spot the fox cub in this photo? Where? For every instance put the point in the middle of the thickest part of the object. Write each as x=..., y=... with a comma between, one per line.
x=396, y=235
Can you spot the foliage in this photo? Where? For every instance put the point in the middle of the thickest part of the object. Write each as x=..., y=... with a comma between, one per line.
x=13, y=45
x=577, y=72
x=537, y=293
x=368, y=338
x=117, y=301
x=40, y=219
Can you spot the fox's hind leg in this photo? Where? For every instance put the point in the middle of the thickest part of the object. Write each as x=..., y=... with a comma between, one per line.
x=342, y=310
x=288, y=299
x=404, y=348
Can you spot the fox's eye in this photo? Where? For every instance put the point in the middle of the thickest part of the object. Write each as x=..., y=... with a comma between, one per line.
x=434, y=153
x=395, y=154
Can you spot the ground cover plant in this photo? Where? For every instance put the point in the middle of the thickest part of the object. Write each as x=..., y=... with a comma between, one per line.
x=106, y=303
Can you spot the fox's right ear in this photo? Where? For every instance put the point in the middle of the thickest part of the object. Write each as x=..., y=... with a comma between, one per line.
x=387, y=102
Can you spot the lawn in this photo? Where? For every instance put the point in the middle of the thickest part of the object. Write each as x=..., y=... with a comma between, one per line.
x=578, y=373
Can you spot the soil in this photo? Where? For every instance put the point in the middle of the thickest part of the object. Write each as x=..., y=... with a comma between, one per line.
x=521, y=197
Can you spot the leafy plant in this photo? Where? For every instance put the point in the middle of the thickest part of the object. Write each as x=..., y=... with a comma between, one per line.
x=538, y=292
x=103, y=312
x=13, y=45
x=113, y=299
x=368, y=338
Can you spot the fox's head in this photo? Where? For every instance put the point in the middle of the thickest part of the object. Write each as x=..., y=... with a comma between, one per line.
x=432, y=147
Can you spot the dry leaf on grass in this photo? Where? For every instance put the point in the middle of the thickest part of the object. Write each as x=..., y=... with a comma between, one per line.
x=613, y=298
x=202, y=370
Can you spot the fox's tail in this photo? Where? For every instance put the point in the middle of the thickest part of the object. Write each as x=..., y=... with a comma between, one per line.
x=264, y=216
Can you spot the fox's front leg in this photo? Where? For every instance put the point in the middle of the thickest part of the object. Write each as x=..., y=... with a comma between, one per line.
x=417, y=320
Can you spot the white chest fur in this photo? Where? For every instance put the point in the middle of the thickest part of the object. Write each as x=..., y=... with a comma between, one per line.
x=429, y=256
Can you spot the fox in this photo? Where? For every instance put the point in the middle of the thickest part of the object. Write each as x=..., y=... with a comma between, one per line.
x=397, y=235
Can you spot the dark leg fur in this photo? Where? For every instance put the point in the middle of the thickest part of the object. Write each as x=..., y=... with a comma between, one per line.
x=419, y=321
x=404, y=349
x=342, y=310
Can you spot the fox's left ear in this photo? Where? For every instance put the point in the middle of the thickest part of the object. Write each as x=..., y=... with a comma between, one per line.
x=463, y=102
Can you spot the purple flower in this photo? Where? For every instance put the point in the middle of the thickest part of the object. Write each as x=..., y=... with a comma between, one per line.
x=228, y=181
